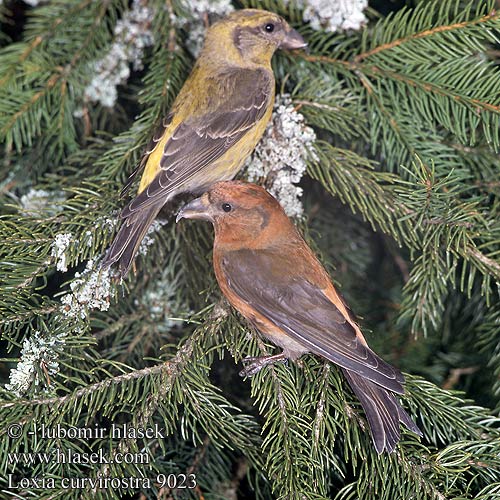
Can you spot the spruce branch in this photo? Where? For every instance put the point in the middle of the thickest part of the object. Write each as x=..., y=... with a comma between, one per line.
x=167, y=368
x=21, y=126
x=428, y=90
x=364, y=70
x=491, y=16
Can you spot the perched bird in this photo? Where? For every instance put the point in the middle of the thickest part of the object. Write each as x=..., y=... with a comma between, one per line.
x=270, y=275
x=215, y=122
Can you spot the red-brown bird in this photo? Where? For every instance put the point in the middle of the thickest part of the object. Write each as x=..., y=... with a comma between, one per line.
x=270, y=275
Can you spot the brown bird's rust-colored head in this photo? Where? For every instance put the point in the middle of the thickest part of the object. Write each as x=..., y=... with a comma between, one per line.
x=250, y=37
x=243, y=215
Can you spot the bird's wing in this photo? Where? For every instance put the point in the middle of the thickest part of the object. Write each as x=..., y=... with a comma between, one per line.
x=153, y=143
x=300, y=309
x=202, y=139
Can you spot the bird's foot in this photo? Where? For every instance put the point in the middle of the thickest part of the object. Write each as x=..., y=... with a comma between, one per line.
x=253, y=365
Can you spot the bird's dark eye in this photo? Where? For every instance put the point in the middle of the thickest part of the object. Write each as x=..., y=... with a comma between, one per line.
x=269, y=27
x=226, y=207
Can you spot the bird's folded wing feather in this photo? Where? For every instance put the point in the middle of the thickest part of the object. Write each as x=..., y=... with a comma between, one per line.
x=202, y=139
x=153, y=143
x=270, y=285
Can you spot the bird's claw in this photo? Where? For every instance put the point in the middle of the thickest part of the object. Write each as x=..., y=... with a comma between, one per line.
x=250, y=371
x=253, y=364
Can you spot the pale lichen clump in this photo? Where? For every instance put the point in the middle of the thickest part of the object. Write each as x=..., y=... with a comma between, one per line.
x=109, y=223
x=89, y=238
x=90, y=289
x=280, y=159
x=38, y=360
x=148, y=239
x=38, y=202
x=199, y=12
x=61, y=244
x=132, y=34
x=333, y=16
x=163, y=300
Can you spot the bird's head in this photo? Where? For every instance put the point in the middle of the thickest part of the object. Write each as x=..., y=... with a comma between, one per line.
x=243, y=214
x=251, y=36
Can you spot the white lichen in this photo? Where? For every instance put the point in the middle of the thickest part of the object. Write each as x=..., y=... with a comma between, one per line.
x=132, y=34
x=62, y=242
x=198, y=12
x=162, y=299
x=108, y=223
x=89, y=237
x=336, y=15
x=38, y=360
x=90, y=289
x=279, y=161
x=38, y=202
x=148, y=239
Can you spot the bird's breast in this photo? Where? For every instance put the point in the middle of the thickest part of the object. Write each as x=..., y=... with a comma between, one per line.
x=267, y=328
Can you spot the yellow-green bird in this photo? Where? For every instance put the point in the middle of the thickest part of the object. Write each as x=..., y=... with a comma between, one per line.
x=215, y=122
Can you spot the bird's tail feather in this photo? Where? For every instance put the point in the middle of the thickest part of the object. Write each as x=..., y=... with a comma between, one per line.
x=382, y=410
x=129, y=237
